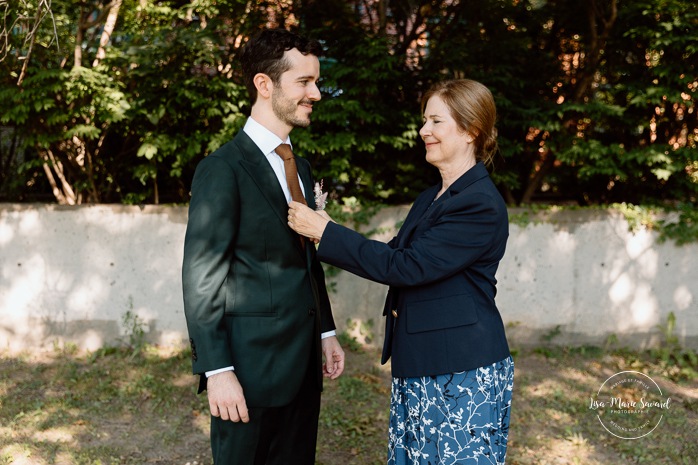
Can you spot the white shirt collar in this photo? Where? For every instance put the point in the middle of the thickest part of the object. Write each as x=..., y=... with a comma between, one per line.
x=267, y=142
x=263, y=138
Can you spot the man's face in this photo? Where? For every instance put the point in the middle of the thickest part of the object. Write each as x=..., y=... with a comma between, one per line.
x=293, y=96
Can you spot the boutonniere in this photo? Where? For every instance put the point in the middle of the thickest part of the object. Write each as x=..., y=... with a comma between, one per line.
x=320, y=197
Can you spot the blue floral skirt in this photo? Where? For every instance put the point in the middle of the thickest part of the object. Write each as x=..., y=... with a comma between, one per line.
x=457, y=418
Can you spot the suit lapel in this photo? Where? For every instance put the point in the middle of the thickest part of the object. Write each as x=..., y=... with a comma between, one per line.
x=304, y=172
x=256, y=165
x=307, y=179
x=263, y=175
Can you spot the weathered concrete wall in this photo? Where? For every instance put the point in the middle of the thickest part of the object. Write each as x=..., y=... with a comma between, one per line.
x=71, y=274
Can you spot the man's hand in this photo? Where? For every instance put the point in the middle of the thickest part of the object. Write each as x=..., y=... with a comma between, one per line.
x=334, y=358
x=225, y=397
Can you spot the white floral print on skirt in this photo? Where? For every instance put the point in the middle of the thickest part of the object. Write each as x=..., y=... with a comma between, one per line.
x=458, y=418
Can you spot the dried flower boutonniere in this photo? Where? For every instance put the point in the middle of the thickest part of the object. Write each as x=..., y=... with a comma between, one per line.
x=320, y=197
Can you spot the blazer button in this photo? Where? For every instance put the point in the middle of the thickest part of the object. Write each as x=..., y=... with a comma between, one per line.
x=394, y=312
x=311, y=311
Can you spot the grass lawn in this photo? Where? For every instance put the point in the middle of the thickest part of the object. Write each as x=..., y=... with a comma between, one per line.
x=125, y=406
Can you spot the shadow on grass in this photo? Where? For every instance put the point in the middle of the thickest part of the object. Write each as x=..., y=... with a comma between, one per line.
x=101, y=408
x=552, y=421
x=114, y=407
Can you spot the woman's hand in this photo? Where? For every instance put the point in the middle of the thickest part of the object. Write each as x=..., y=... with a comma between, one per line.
x=307, y=222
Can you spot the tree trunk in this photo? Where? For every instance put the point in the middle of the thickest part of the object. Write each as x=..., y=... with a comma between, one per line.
x=60, y=186
x=600, y=26
x=79, y=38
x=8, y=158
x=156, y=190
x=109, y=26
x=538, y=178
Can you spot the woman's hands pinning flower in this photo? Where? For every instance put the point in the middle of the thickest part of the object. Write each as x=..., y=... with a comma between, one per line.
x=307, y=222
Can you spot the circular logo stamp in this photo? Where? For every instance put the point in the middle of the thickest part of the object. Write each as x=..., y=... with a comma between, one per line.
x=630, y=405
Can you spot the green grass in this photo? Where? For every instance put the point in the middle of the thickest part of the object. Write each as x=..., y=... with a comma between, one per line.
x=120, y=406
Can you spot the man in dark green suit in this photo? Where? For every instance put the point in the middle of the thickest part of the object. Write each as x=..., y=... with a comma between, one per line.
x=255, y=301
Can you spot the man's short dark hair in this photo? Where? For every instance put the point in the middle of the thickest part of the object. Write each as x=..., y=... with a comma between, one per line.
x=264, y=54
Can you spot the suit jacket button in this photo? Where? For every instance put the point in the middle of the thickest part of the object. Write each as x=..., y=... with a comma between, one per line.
x=394, y=312
x=311, y=311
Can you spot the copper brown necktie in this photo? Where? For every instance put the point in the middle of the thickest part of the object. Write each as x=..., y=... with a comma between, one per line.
x=286, y=154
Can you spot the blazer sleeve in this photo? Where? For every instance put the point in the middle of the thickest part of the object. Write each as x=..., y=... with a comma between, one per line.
x=460, y=235
x=208, y=244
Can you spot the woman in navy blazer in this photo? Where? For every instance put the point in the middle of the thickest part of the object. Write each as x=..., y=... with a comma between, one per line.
x=451, y=365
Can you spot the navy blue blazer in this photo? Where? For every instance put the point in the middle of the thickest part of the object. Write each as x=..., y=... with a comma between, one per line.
x=441, y=271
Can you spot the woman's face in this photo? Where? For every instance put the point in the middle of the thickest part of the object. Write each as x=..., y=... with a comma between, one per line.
x=445, y=142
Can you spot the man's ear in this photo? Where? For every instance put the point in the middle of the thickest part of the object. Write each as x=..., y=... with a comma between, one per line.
x=263, y=84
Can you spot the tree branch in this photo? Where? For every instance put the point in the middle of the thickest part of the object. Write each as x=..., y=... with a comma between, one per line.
x=63, y=193
x=37, y=21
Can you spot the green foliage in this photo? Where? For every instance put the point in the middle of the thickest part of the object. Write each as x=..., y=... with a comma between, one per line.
x=675, y=362
x=351, y=212
x=669, y=358
x=551, y=334
x=608, y=116
x=363, y=328
x=681, y=228
x=349, y=342
x=685, y=229
x=134, y=331
x=637, y=216
x=680, y=223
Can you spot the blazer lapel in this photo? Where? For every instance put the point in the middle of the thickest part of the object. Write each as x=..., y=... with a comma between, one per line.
x=416, y=213
x=422, y=204
x=474, y=174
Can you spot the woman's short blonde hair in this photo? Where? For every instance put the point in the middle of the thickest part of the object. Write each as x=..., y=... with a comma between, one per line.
x=472, y=107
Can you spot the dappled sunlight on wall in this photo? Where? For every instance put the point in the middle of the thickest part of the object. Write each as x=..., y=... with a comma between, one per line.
x=683, y=298
x=633, y=268
x=70, y=275
x=84, y=295
x=537, y=275
x=582, y=277
x=7, y=233
x=19, y=288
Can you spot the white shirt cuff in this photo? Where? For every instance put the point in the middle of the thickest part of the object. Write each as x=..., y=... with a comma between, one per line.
x=220, y=370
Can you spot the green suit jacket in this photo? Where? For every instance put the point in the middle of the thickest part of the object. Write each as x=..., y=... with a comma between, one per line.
x=253, y=297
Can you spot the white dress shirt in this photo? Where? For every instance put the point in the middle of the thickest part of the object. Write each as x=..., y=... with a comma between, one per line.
x=267, y=142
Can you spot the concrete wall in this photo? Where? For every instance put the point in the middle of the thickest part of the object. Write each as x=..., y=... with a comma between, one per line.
x=71, y=274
